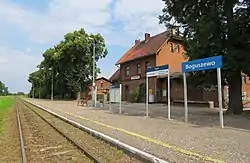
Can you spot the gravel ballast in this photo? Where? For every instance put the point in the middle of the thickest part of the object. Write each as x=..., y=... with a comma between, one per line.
x=43, y=143
x=227, y=145
x=100, y=149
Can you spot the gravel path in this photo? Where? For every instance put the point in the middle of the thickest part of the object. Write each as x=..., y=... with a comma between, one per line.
x=102, y=150
x=229, y=145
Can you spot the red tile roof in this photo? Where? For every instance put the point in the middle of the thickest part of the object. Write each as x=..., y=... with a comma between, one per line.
x=115, y=76
x=145, y=48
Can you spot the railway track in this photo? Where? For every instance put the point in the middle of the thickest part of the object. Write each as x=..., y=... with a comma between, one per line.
x=38, y=125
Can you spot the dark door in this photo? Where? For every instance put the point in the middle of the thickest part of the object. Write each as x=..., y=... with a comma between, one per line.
x=142, y=92
x=126, y=93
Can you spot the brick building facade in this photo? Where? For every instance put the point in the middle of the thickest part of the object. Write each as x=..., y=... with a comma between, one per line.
x=164, y=48
x=103, y=86
x=137, y=76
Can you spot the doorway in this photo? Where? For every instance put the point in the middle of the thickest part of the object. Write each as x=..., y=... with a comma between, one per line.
x=126, y=93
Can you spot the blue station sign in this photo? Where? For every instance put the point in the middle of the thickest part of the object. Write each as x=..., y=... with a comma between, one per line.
x=202, y=64
x=158, y=71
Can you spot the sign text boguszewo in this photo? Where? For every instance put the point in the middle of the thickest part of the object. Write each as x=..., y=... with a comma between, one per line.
x=199, y=65
x=202, y=64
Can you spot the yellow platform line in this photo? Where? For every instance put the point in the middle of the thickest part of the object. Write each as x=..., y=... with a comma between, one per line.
x=164, y=144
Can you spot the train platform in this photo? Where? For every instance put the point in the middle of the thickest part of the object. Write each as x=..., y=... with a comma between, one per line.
x=171, y=140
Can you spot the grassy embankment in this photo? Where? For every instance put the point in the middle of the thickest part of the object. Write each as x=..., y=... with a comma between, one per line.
x=6, y=103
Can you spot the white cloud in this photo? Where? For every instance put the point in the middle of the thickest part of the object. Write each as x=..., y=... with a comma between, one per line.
x=139, y=16
x=60, y=17
x=16, y=68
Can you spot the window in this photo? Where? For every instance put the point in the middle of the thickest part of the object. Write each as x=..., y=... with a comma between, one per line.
x=138, y=68
x=127, y=72
x=177, y=48
x=171, y=47
x=147, y=65
x=101, y=84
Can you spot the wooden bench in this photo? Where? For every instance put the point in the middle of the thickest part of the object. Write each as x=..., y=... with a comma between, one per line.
x=196, y=103
x=82, y=101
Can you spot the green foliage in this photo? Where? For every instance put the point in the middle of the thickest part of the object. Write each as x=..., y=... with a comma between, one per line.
x=134, y=95
x=3, y=89
x=70, y=63
x=5, y=104
x=215, y=27
x=20, y=93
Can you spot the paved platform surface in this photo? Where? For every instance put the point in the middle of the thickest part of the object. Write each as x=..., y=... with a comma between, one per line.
x=173, y=140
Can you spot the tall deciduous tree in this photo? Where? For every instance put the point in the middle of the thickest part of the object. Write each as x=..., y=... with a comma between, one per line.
x=215, y=27
x=71, y=63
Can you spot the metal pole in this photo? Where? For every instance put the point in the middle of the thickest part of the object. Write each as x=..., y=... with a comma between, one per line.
x=110, y=99
x=120, y=100
x=52, y=86
x=93, y=80
x=33, y=90
x=169, y=94
x=185, y=97
x=220, y=97
x=40, y=90
x=146, y=95
x=95, y=94
x=30, y=93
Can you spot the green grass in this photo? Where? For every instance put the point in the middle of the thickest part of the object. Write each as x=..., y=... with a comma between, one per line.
x=6, y=103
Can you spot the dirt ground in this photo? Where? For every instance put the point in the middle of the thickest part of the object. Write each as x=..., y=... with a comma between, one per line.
x=171, y=140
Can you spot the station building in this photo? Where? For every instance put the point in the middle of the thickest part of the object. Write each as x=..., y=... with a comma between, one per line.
x=161, y=49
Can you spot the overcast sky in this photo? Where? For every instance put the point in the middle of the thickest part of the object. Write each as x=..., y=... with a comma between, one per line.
x=28, y=27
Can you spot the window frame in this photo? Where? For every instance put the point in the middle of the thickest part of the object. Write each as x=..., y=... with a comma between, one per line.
x=138, y=68
x=101, y=84
x=171, y=47
x=127, y=71
x=147, y=65
x=177, y=47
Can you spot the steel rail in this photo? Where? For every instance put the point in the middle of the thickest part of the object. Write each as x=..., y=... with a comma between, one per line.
x=82, y=149
x=23, y=152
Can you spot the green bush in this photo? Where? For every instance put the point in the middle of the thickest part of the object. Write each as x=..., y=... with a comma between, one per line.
x=134, y=95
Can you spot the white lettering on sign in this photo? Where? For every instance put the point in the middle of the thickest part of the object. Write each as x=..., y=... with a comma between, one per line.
x=135, y=77
x=200, y=65
x=157, y=73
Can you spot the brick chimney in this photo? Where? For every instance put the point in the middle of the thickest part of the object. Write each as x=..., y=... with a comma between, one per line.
x=137, y=42
x=147, y=36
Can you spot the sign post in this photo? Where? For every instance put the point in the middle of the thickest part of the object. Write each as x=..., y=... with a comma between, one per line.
x=120, y=100
x=220, y=97
x=200, y=65
x=168, y=95
x=185, y=96
x=158, y=71
x=147, y=96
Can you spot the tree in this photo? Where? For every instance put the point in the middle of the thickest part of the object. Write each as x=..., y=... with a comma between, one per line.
x=3, y=89
x=20, y=93
x=70, y=63
x=215, y=27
